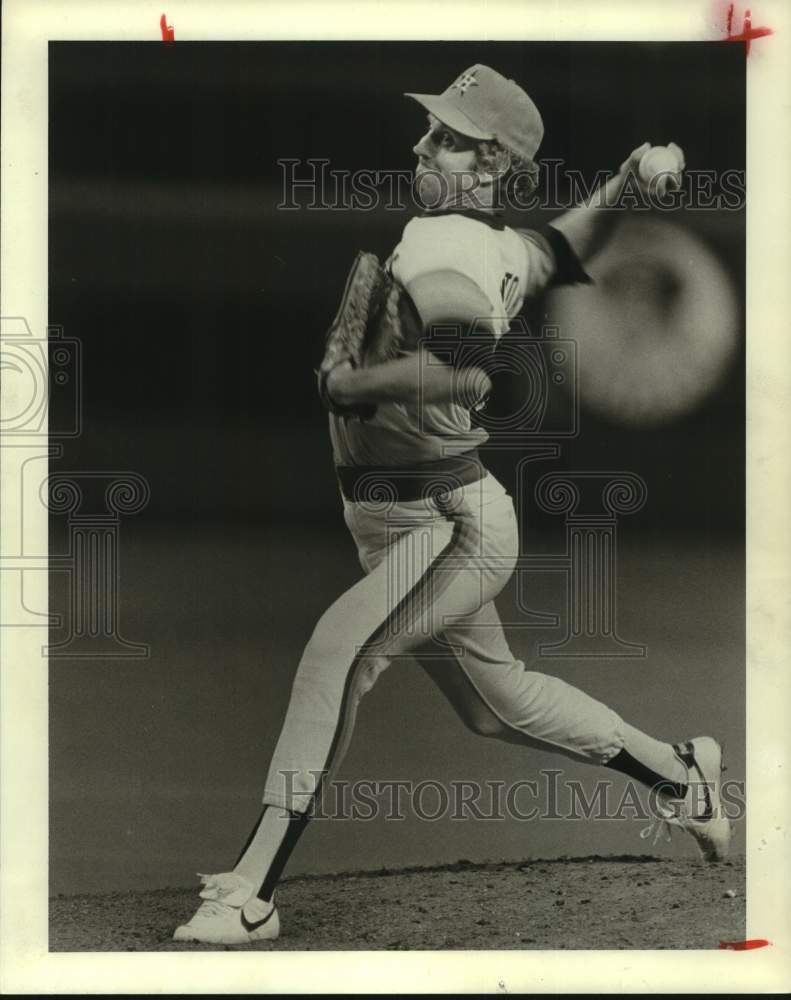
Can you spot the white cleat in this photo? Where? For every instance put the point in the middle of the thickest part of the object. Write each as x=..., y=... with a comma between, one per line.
x=701, y=813
x=230, y=914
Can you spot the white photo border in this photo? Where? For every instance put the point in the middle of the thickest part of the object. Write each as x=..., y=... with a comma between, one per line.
x=25, y=964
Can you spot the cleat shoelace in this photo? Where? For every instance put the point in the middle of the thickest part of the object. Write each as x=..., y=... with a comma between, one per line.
x=662, y=823
x=217, y=886
x=661, y=828
x=212, y=908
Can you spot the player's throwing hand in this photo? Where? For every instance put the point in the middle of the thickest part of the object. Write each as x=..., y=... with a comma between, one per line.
x=658, y=169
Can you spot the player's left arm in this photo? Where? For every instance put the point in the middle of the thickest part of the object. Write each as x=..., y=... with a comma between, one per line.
x=413, y=379
x=445, y=301
x=587, y=227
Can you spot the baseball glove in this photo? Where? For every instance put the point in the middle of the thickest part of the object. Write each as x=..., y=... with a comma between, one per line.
x=375, y=322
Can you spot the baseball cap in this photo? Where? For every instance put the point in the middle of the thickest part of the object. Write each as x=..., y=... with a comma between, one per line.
x=482, y=104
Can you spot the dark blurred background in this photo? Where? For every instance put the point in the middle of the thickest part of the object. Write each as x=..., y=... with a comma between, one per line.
x=201, y=310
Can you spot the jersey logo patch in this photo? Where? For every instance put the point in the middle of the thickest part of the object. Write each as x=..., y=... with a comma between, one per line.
x=509, y=291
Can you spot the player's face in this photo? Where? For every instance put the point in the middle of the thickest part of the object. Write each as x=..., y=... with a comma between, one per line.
x=446, y=163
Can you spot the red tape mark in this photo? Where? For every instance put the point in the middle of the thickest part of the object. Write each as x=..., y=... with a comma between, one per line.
x=748, y=32
x=745, y=945
x=168, y=32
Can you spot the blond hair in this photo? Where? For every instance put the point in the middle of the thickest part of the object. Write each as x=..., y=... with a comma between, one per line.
x=522, y=172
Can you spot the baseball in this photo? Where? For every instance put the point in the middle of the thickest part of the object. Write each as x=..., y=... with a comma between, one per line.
x=659, y=160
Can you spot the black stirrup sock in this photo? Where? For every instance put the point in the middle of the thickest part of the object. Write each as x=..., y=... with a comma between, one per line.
x=624, y=762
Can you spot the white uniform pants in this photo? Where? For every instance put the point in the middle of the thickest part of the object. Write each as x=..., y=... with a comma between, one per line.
x=432, y=573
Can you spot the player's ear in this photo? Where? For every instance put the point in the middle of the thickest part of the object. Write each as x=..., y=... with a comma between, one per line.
x=495, y=164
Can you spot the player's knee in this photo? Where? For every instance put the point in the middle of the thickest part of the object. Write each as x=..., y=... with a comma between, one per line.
x=486, y=724
x=508, y=706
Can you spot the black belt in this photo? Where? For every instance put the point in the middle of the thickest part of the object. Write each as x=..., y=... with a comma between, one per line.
x=381, y=483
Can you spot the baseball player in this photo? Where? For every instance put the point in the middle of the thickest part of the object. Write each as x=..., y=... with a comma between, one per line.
x=436, y=533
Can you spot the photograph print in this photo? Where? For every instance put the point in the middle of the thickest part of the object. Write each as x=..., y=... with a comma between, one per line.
x=397, y=502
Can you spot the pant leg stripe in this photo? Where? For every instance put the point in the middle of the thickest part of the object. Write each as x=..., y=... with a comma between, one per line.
x=296, y=826
x=253, y=832
x=415, y=595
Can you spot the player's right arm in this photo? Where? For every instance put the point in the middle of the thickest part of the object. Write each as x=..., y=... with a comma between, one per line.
x=588, y=226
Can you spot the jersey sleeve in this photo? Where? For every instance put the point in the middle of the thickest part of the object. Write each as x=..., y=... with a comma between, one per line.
x=445, y=244
x=551, y=260
x=450, y=273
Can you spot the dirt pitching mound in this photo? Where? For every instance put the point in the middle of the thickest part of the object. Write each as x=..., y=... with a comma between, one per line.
x=596, y=902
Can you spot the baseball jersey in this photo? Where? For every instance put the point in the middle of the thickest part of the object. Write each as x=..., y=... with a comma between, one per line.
x=507, y=266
